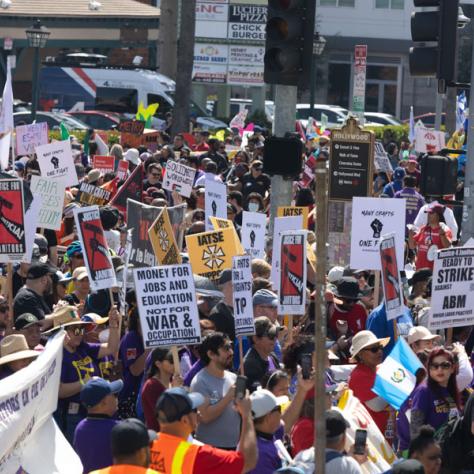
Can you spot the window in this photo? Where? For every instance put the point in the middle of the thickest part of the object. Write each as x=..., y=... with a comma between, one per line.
x=337, y=3
x=393, y=4
x=116, y=99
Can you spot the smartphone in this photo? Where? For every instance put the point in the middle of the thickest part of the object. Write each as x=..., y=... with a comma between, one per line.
x=360, y=441
x=306, y=365
x=240, y=387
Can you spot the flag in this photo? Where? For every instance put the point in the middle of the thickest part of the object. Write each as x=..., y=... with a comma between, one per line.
x=5, y=150
x=6, y=110
x=311, y=128
x=102, y=148
x=64, y=131
x=396, y=376
x=411, y=131
x=239, y=121
x=131, y=189
x=324, y=122
x=461, y=103
x=145, y=115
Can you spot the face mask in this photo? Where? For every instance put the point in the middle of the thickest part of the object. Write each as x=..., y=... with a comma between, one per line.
x=104, y=335
x=253, y=207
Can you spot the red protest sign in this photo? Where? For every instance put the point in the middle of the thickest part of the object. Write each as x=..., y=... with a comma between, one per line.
x=131, y=189
x=122, y=170
x=105, y=164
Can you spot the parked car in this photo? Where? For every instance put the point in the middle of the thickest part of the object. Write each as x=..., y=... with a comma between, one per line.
x=336, y=115
x=53, y=119
x=97, y=119
x=428, y=119
x=381, y=118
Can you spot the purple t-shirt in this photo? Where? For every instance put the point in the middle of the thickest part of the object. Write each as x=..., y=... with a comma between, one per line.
x=131, y=348
x=438, y=407
x=268, y=459
x=403, y=425
x=92, y=442
x=414, y=200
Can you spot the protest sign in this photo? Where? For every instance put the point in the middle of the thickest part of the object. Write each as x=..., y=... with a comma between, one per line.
x=280, y=225
x=28, y=137
x=104, y=163
x=218, y=223
x=211, y=252
x=12, y=221
x=31, y=441
x=288, y=211
x=428, y=140
x=167, y=305
x=131, y=189
x=242, y=295
x=392, y=288
x=122, y=170
x=31, y=223
x=452, y=299
x=97, y=258
x=50, y=193
x=179, y=178
x=292, y=295
x=382, y=163
x=372, y=217
x=134, y=127
x=163, y=241
x=252, y=233
x=215, y=201
x=56, y=161
x=339, y=232
x=92, y=195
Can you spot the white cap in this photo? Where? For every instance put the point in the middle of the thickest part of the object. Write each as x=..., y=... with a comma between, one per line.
x=132, y=155
x=420, y=333
x=263, y=402
x=335, y=274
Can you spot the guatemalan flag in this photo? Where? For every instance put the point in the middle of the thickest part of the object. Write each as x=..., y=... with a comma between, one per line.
x=396, y=376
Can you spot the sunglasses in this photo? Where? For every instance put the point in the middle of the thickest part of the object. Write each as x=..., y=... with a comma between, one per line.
x=375, y=349
x=78, y=331
x=442, y=365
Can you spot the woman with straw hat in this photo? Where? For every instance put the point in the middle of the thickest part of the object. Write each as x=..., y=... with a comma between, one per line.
x=367, y=352
x=15, y=354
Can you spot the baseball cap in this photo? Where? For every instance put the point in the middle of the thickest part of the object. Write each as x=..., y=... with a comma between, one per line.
x=335, y=274
x=420, y=333
x=37, y=270
x=423, y=274
x=26, y=320
x=96, y=389
x=206, y=287
x=79, y=273
x=19, y=166
x=265, y=298
x=336, y=424
x=263, y=402
x=399, y=173
x=435, y=208
x=93, y=176
x=225, y=276
x=42, y=243
x=176, y=402
x=264, y=327
x=130, y=435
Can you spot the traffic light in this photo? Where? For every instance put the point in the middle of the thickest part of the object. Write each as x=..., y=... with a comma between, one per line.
x=289, y=42
x=437, y=28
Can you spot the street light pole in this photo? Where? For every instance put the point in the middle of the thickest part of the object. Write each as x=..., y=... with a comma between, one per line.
x=34, y=85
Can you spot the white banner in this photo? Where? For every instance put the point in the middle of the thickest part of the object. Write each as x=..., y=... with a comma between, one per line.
x=31, y=442
x=167, y=305
x=253, y=233
x=242, y=295
x=371, y=218
x=215, y=202
x=50, y=193
x=452, y=300
x=428, y=140
x=179, y=178
x=56, y=161
x=28, y=137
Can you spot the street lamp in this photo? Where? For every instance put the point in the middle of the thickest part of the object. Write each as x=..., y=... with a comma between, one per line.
x=319, y=43
x=37, y=38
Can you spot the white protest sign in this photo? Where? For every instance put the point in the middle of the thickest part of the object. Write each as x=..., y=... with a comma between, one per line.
x=179, y=178
x=50, y=193
x=28, y=137
x=167, y=305
x=281, y=224
x=31, y=223
x=56, y=161
x=382, y=163
x=253, y=233
x=28, y=399
x=215, y=202
x=452, y=300
x=372, y=217
x=428, y=140
x=242, y=295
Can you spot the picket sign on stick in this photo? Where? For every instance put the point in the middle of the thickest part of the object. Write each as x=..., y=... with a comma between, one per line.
x=241, y=356
x=10, y=291
x=449, y=336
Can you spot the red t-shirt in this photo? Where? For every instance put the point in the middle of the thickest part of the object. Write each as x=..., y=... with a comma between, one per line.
x=151, y=391
x=210, y=460
x=426, y=237
x=361, y=382
x=302, y=435
x=356, y=318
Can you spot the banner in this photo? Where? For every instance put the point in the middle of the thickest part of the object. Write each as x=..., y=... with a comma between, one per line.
x=253, y=232
x=28, y=137
x=179, y=178
x=167, y=305
x=215, y=201
x=218, y=223
x=163, y=241
x=97, y=257
x=131, y=189
x=288, y=211
x=56, y=161
x=372, y=217
x=211, y=252
x=452, y=300
x=31, y=441
x=12, y=221
x=392, y=287
x=105, y=164
x=292, y=295
x=92, y=195
x=428, y=140
x=242, y=295
x=50, y=192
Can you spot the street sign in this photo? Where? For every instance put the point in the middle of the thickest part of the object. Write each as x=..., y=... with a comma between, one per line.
x=358, y=92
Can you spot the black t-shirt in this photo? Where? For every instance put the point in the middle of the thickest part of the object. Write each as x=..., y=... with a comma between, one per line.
x=259, y=185
x=17, y=281
x=223, y=318
x=27, y=301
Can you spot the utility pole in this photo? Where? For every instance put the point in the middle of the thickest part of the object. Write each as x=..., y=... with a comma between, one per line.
x=168, y=38
x=185, y=67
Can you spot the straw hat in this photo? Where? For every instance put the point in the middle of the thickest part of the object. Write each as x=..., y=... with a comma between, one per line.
x=365, y=339
x=14, y=347
x=63, y=317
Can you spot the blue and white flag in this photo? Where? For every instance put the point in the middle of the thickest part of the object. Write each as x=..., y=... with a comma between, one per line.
x=396, y=376
x=461, y=103
x=411, y=131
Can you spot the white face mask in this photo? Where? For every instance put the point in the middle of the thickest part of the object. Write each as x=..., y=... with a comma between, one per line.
x=104, y=335
x=253, y=207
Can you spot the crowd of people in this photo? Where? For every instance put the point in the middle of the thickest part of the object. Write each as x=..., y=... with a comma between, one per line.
x=132, y=408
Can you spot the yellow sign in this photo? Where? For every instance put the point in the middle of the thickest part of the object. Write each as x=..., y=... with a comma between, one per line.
x=311, y=256
x=163, y=241
x=288, y=211
x=219, y=223
x=211, y=252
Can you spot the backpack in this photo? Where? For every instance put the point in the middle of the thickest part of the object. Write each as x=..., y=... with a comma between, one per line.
x=450, y=438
